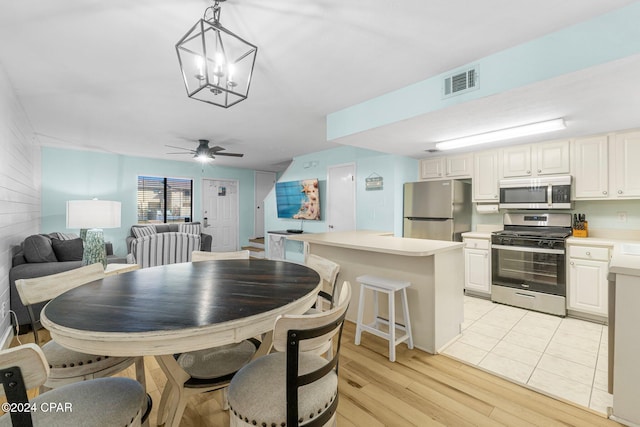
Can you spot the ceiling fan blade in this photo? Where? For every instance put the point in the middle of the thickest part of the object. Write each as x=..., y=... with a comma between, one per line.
x=216, y=148
x=182, y=152
x=230, y=154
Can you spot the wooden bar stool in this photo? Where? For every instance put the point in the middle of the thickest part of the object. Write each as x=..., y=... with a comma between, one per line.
x=389, y=287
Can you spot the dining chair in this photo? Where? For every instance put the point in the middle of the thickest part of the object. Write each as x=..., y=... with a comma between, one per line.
x=292, y=386
x=328, y=271
x=100, y=402
x=69, y=366
x=206, y=370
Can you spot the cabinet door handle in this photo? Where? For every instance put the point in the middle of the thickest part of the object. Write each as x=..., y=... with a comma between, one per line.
x=539, y=170
x=486, y=255
x=604, y=192
x=495, y=196
x=571, y=263
x=588, y=253
x=619, y=191
x=528, y=172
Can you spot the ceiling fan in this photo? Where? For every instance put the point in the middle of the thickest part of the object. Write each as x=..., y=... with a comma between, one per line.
x=204, y=153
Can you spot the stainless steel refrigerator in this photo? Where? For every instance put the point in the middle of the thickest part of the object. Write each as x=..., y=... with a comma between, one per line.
x=437, y=210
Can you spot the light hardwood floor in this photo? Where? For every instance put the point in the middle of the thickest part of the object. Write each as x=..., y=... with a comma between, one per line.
x=419, y=389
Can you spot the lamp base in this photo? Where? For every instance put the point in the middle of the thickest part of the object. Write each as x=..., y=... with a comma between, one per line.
x=94, y=250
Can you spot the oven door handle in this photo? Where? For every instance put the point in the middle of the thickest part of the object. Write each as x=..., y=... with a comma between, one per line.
x=550, y=194
x=526, y=249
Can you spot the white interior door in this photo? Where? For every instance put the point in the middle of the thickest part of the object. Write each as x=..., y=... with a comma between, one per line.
x=341, y=197
x=220, y=213
x=264, y=182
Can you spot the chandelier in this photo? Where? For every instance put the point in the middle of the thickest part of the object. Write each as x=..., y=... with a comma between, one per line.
x=216, y=64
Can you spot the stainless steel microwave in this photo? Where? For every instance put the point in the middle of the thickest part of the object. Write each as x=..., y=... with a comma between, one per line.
x=549, y=192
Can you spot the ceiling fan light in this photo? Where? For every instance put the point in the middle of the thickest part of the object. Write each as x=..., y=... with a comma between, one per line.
x=216, y=64
x=503, y=134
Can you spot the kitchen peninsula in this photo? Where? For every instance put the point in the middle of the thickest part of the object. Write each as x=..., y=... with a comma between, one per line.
x=435, y=269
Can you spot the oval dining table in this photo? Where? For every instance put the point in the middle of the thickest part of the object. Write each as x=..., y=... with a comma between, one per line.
x=175, y=308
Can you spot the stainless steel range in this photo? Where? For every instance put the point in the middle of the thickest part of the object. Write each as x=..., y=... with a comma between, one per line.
x=528, y=261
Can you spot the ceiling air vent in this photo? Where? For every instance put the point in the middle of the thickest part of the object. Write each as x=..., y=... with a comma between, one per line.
x=461, y=82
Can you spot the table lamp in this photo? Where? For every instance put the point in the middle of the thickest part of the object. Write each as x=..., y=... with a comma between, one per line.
x=91, y=216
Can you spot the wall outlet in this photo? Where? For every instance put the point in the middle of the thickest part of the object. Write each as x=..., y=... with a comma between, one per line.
x=622, y=217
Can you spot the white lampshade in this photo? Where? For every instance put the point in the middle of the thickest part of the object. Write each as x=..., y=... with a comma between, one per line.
x=93, y=214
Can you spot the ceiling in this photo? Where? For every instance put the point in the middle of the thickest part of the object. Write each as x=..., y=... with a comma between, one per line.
x=104, y=75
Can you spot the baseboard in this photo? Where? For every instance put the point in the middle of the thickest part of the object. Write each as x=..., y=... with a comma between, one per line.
x=7, y=337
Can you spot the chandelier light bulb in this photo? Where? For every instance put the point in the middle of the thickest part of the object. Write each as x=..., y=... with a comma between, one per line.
x=219, y=68
x=231, y=68
x=200, y=67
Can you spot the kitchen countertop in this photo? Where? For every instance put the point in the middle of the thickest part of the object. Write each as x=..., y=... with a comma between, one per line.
x=623, y=262
x=379, y=241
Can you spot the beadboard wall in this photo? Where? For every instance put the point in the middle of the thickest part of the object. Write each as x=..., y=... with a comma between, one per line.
x=20, y=183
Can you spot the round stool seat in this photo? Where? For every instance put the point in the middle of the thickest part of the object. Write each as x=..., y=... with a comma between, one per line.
x=120, y=400
x=65, y=363
x=257, y=394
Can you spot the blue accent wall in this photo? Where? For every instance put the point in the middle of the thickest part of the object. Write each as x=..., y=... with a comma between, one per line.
x=375, y=210
x=73, y=175
x=606, y=38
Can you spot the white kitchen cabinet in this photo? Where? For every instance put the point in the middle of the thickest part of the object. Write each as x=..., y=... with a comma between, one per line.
x=486, y=169
x=477, y=266
x=446, y=167
x=543, y=158
x=432, y=168
x=587, y=277
x=624, y=165
x=459, y=166
x=591, y=168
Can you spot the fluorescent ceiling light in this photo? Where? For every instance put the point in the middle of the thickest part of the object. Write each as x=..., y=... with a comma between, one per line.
x=502, y=134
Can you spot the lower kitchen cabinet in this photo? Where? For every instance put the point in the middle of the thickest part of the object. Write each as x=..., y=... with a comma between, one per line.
x=587, y=277
x=477, y=266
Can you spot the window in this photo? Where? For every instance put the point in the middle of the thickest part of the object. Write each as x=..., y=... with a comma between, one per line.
x=164, y=199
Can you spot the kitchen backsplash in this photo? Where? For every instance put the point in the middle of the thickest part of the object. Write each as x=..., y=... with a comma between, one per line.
x=601, y=214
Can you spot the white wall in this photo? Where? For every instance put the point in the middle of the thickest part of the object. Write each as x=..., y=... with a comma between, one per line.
x=19, y=188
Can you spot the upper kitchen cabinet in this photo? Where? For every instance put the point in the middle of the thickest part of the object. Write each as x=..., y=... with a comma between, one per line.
x=485, y=176
x=446, y=167
x=624, y=164
x=544, y=158
x=591, y=168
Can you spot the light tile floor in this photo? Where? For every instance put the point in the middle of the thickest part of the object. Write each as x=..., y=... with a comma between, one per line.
x=562, y=357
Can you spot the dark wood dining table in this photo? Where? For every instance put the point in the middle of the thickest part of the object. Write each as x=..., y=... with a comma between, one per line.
x=176, y=308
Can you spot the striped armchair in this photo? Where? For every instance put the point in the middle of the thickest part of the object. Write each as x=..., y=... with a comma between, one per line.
x=163, y=248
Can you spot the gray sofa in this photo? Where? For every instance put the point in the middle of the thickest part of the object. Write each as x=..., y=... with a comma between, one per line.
x=41, y=255
x=205, y=239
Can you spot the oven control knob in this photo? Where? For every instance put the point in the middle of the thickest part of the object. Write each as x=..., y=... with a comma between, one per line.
x=541, y=243
x=551, y=243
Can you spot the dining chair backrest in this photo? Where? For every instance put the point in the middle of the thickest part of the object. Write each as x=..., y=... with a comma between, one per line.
x=302, y=333
x=32, y=363
x=39, y=289
x=207, y=256
x=45, y=288
x=289, y=322
x=327, y=269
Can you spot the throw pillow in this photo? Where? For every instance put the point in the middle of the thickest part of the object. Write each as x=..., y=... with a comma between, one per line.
x=143, y=230
x=189, y=228
x=67, y=250
x=37, y=248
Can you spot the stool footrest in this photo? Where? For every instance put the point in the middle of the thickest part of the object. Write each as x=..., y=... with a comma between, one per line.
x=382, y=334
